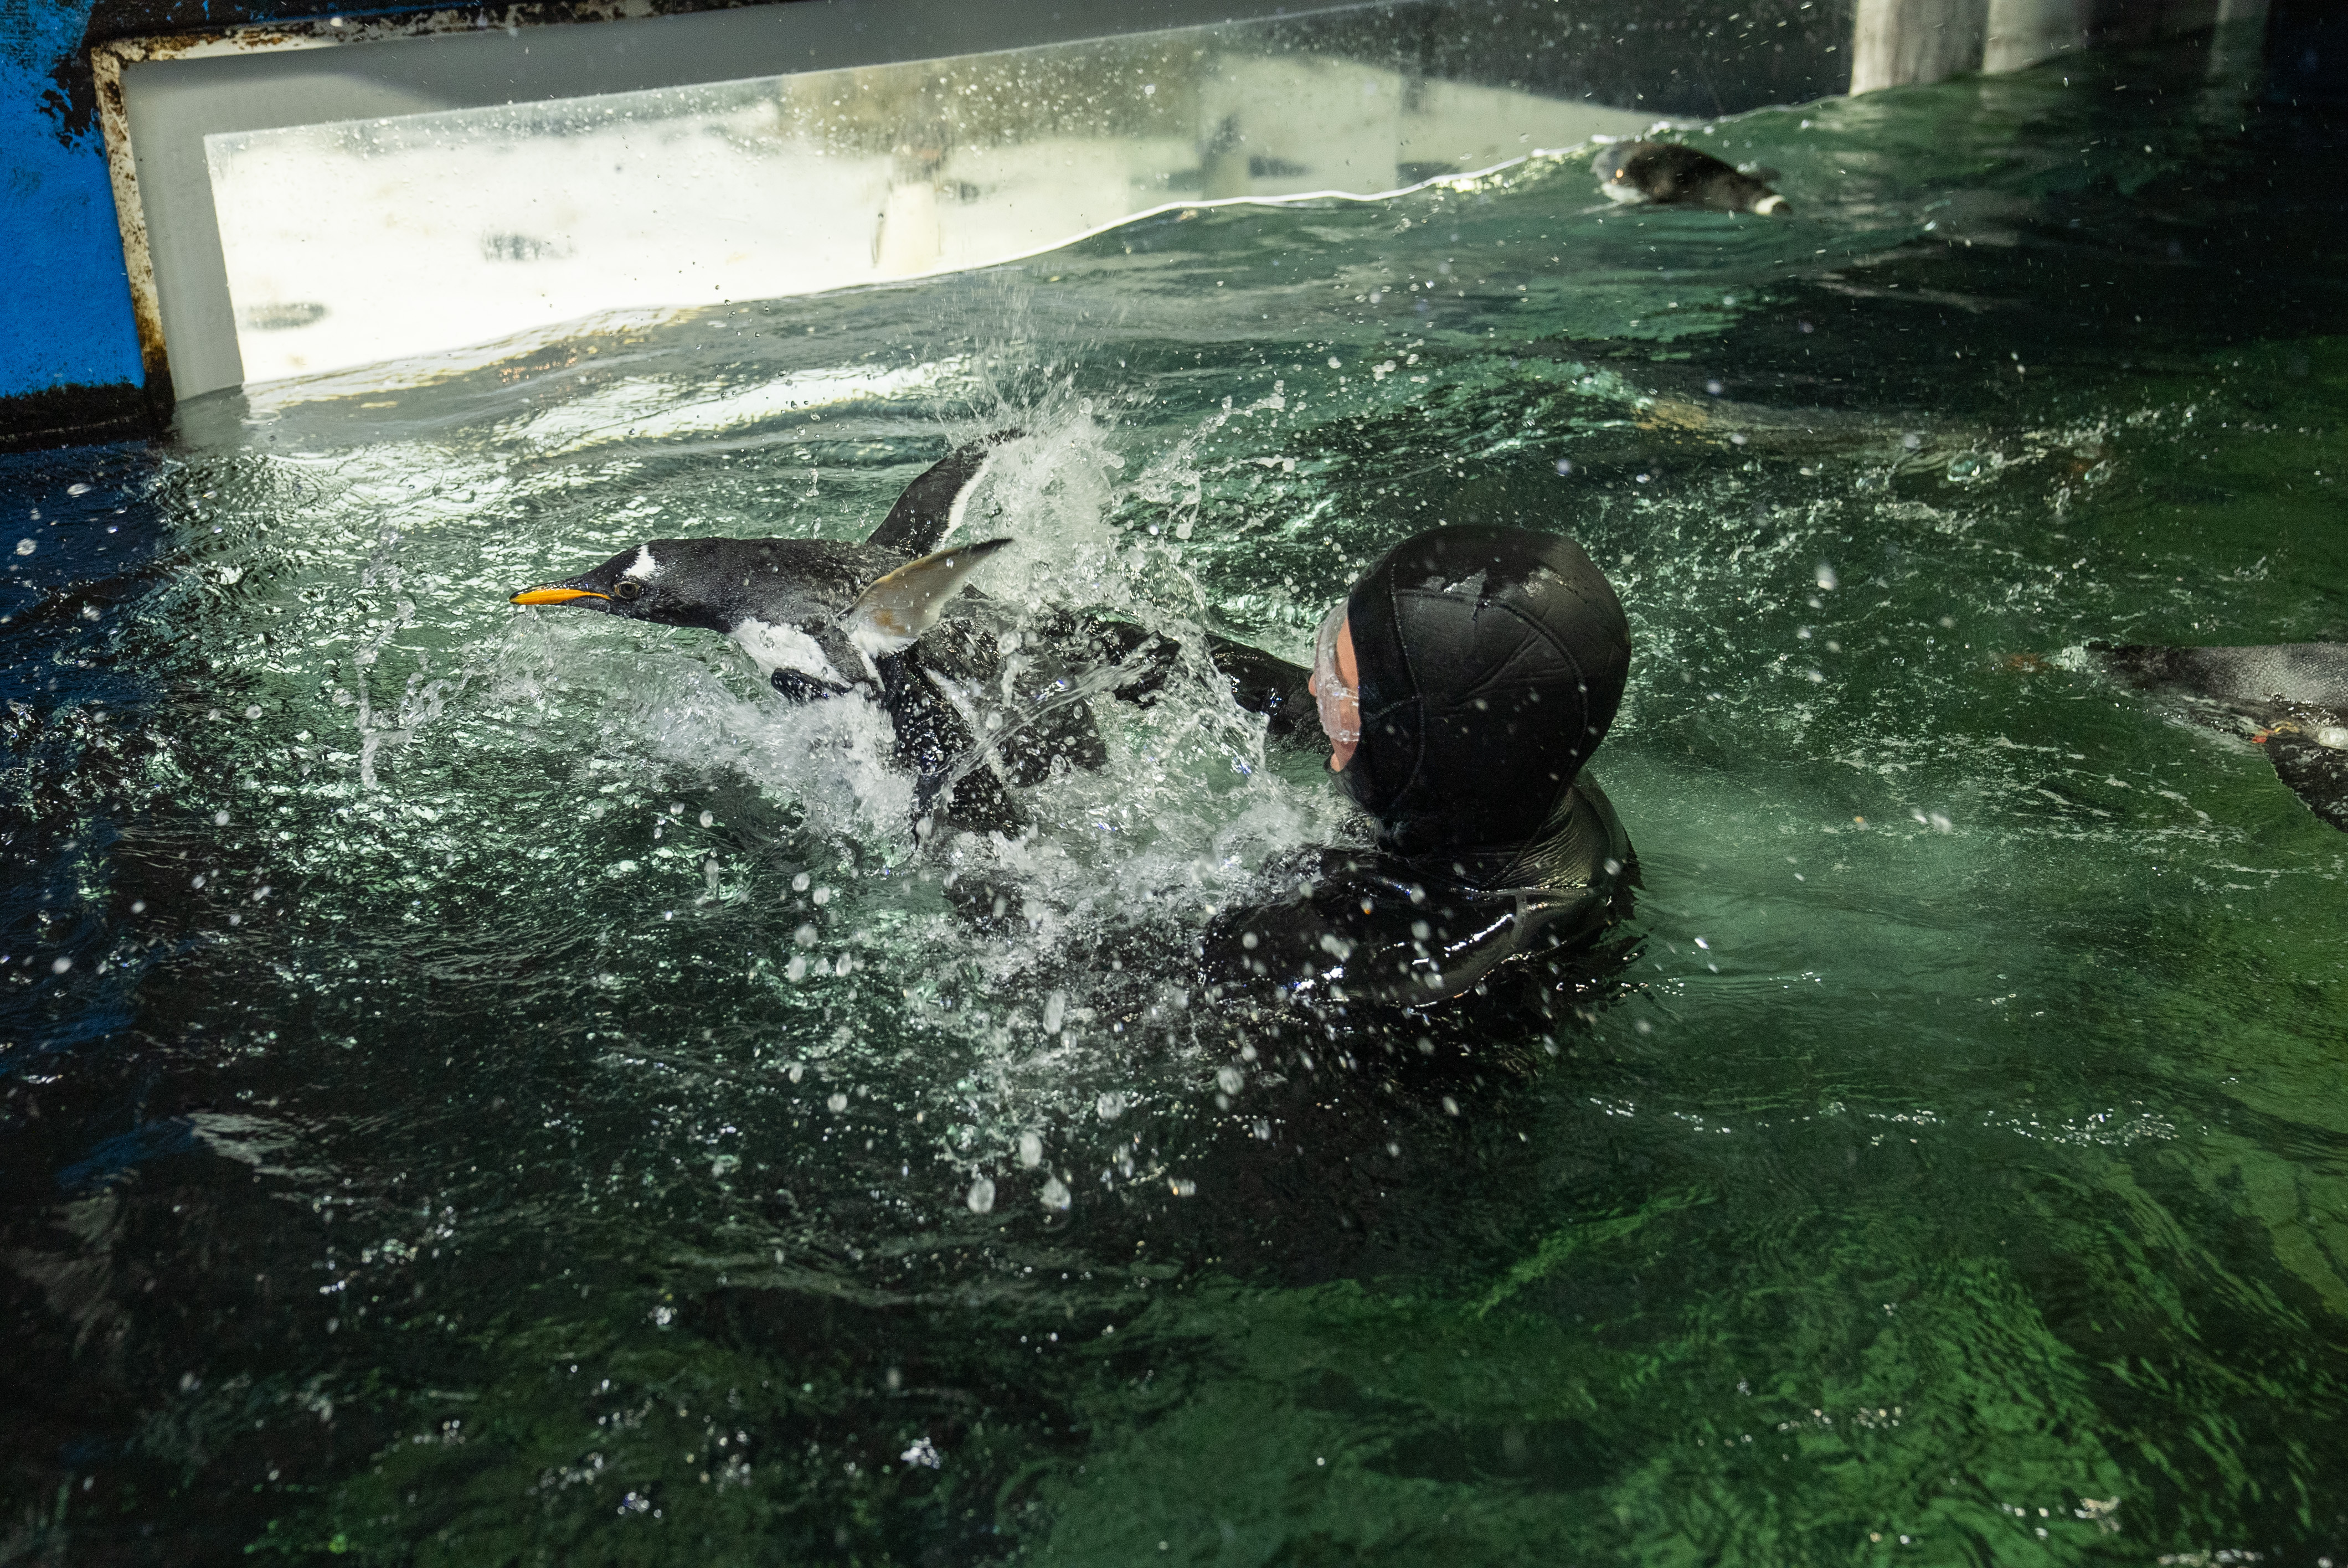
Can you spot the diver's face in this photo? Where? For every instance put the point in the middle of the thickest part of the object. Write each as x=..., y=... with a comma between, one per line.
x=1336, y=687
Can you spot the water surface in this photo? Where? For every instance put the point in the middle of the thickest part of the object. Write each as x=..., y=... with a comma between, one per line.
x=486, y=1086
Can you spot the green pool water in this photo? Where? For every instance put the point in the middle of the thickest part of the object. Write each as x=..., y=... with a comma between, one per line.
x=484, y=1086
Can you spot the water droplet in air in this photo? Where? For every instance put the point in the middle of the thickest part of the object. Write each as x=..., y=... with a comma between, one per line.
x=2333, y=736
x=1109, y=1106
x=1031, y=1150
x=60, y=966
x=220, y=819
x=836, y=1104
x=1334, y=363
x=708, y=819
x=1826, y=576
x=1056, y=1011
x=1055, y=1195
x=253, y=711
x=1230, y=1079
x=1564, y=466
x=26, y=546
x=800, y=883
x=982, y=1196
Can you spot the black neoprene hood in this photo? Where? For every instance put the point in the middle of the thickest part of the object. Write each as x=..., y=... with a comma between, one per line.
x=1491, y=662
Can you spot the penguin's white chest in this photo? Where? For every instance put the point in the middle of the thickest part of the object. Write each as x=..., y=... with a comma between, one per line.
x=772, y=647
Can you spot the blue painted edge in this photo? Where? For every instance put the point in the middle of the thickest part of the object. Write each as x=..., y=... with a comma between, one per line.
x=64, y=317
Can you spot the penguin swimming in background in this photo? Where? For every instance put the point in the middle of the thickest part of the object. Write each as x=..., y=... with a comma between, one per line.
x=1666, y=173
x=2291, y=698
x=824, y=619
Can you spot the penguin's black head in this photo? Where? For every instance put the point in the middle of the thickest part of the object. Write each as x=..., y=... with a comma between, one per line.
x=1608, y=163
x=676, y=582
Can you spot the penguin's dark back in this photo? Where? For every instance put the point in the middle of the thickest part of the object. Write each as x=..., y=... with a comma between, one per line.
x=1674, y=173
x=785, y=582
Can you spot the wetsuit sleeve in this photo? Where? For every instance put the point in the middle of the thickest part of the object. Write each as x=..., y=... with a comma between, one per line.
x=1263, y=683
x=1260, y=683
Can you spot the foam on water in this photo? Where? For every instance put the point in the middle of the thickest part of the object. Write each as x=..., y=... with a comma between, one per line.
x=426, y=684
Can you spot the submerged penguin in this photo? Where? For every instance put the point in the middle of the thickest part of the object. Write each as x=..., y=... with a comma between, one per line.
x=825, y=620
x=1666, y=173
x=2291, y=698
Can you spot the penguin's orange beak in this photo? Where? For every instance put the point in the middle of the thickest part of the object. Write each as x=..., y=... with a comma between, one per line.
x=554, y=595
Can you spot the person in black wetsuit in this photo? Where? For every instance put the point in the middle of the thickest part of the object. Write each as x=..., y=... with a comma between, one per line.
x=1462, y=685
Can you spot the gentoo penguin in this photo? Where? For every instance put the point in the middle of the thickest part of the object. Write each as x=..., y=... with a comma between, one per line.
x=825, y=620
x=1667, y=173
x=2292, y=699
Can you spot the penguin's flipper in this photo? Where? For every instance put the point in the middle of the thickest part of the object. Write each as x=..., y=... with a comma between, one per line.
x=932, y=506
x=891, y=615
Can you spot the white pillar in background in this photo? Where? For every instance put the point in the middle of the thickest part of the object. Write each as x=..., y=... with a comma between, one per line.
x=2239, y=40
x=910, y=238
x=1895, y=43
x=2024, y=32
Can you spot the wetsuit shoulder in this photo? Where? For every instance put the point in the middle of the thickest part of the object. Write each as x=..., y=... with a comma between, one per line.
x=1370, y=929
x=1582, y=843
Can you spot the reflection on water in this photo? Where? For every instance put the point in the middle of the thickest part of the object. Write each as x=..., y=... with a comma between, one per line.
x=482, y=1085
x=352, y=242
